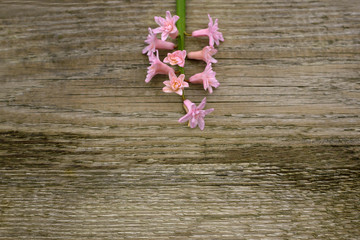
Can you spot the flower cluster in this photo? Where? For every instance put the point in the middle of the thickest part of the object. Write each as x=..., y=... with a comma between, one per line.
x=176, y=84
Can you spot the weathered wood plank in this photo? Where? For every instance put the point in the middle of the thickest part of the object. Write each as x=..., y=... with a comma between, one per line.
x=89, y=151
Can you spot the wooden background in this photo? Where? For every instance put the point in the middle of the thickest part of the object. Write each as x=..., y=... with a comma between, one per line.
x=89, y=151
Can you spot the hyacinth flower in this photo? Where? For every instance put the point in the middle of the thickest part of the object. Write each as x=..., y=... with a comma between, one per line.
x=195, y=115
x=212, y=32
x=155, y=43
x=176, y=84
x=167, y=26
x=207, y=78
x=176, y=58
x=157, y=67
x=205, y=54
x=174, y=27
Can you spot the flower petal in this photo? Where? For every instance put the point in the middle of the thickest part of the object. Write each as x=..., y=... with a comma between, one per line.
x=206, y=84
x=172, y=75
x=145, y=50
x=181, y=77
x=168, y=16
x=214, y=83
x=202, y=104
x=175, y=18
x=189, y=105
x=157, y=30
x=210, y=21
x=193, y=122
x=211, y=41
x=208, y=68
x=167, y=89
x=164, y=35
x=207, y=111
x=197, y=78
x=217, y=41
x=185, y=118
x=183, y=54
x=212, y=51
x=201, y=123
x=216, y=24
x=221, y=37
x=213, y=60
x=179, y=91
x=149, y=76
x=167, y=83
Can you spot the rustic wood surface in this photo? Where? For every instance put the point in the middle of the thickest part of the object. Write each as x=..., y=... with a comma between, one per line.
x=89, y=151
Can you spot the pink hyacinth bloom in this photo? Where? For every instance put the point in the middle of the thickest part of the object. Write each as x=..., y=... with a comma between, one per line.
x=195, y=115
x=176, y=84
x=205, y=54
x=211, y=32
x=167, y=26
x=176, y=58
x=207, y=78
x=157, y=67
x=155, y=43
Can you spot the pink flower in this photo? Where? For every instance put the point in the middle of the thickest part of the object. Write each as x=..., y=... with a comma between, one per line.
x=176, y=58
x=195, y=115
x=155, y=43
x=207, y=77
x=157, y=67
x=176, y=84
x=205, y=54
x=211, y=32
x=167, y=26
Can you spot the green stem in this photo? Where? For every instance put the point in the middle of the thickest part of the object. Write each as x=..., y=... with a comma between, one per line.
x=180, y=24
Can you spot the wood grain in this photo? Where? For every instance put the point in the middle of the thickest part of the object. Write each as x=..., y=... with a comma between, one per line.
x=89, y=151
